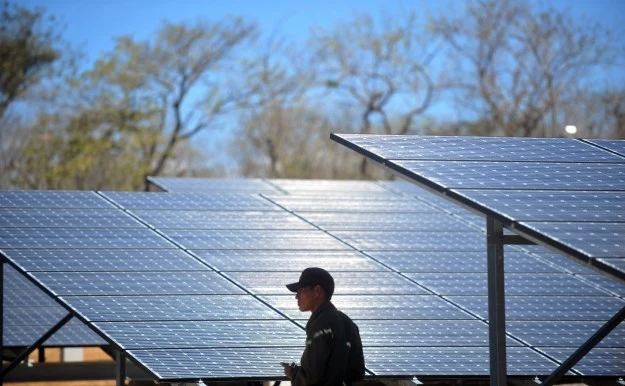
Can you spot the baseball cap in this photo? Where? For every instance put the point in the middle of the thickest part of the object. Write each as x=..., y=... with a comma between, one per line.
x=314, y=276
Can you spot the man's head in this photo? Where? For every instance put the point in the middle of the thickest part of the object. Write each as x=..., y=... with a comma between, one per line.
x=315, y=286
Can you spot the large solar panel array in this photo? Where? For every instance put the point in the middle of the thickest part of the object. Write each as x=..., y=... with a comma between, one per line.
x=196, y=289
x=563, y=193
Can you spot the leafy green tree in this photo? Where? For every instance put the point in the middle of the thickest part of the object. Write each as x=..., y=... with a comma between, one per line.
x=28, y=48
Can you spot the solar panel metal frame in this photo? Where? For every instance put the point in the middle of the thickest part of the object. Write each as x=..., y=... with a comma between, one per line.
x=495, y=241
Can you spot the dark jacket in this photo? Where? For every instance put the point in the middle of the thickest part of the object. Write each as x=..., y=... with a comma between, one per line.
x=330, y=341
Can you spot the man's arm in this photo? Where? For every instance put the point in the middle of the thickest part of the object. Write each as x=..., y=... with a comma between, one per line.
x=314, y=359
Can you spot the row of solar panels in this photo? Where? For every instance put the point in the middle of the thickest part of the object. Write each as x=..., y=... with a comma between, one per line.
x=186, y=282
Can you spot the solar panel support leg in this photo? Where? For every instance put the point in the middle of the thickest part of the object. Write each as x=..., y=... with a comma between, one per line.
x=585, y=348
x=496, y=302
x=120, y=368
x=1, y=314
x=34, y=346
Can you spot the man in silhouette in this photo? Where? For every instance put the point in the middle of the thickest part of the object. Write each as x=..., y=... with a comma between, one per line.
x=333, y=353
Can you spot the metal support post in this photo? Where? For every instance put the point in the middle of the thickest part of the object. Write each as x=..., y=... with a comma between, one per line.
x=585, y=348
x=120, y=368
x=42, y=355
x=35, y=345
x=496, y=302
x=1, y=315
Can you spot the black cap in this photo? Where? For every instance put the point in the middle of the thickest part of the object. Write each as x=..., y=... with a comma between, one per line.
x=314, y=276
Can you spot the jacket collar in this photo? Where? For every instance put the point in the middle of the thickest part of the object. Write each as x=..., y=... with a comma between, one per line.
x=322, y=308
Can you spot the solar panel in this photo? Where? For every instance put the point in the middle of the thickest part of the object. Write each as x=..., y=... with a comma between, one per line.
x=425, y=333
x=103, y=260
x=479, y=148
x=81, y=238
x=31, y=199
x=73, y=334
x=460, y=261
x=186, y=219
x=518, y=175
x=557, y=284
x=424, y=241
x=581, y=175
x=599, y=361
x=254, y=239
x=190, y=201
x=66, y=218
x=204, y=334
x=176, y=307
x=136, y=283
x=389, y=307
x=217, y=363
x=590, y=239
x=617, y=146
x=333, y=221
x=28, y=313
x=295, y=185
x=606, y=283
x=206, y=185
x=563, y=333
x=456, y=361
x=564, y=308
x=305, y=204
x=524, y=205
x=286, y=260
x=352, y=283
x=183, y=321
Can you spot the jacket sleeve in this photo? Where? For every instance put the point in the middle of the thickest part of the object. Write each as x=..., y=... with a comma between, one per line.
x=315, y=358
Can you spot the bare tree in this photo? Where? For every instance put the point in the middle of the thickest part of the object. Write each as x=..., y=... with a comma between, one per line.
x=518, y=67
x=379, y=68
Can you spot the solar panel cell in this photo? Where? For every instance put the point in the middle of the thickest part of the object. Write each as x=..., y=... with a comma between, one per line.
x=137, y=283
x=51, y=199
x=66, y=218
x=191, y=201
x=176, y=307
x=80, y=238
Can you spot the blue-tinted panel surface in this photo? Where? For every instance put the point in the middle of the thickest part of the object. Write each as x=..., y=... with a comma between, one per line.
x=208, y=185
x=425, y=333
x=515, y=284
x=599, y=361
x=189, y=334
x=385, y=221
x=51, y=199
x=254, y=239
x=179, y=307
x=32, y=316
x=617, y=146
x=591, y=239
x=74, y=333
x=305, y=204
x=292, y=261
x=562, y=308
x=563, y=333
x=457, y=361
x=136, y=283
x=606, y=283
x=66, y=218
x=352, y=283
x=479, y=148
x=518, y=176
x=294, y=185
x=551, y=206
x=424, y=261
x=423, y=241
x=561, y=262
x=191, y=201
x=389, y=307
x=80, y=238
x=103, y=260
x=184, y=219
x=218, y=363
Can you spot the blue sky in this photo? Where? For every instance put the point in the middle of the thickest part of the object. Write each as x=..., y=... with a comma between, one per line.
x=92, y=24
